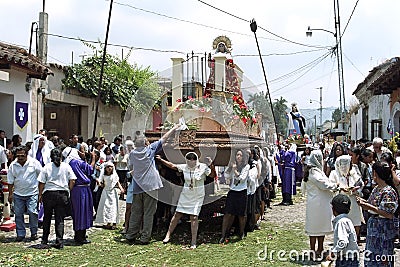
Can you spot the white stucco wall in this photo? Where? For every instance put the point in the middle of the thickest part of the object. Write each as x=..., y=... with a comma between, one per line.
x=356, y=125
x=14, y=90
x=379, y=109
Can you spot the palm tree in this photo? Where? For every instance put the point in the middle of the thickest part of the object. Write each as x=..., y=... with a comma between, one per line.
x=280, y=108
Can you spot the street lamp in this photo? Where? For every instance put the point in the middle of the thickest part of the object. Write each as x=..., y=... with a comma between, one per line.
x=309, y=31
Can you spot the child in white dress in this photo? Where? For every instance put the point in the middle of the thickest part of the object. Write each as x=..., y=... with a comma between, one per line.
x=107, y=212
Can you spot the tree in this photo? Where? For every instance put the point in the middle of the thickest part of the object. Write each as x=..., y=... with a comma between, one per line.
x=121, y=81
x=259, y=103
x=336, y=115
x=280, y=114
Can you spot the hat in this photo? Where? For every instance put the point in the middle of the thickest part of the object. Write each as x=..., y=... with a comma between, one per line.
x=341, y=203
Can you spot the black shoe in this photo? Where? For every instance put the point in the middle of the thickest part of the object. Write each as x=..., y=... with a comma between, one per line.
x=144, y=242
x=83, y=242
x=223, y=240
x=59, y=245
x=34, y=237
x=19, y=238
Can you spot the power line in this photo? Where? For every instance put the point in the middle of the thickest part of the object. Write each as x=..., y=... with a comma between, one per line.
x=300, y=75
x=116, y=45
x=280, y=78
x=188, y=21
x=288, y=75
x=351, y=15
x=353, y=65
x=274, y=34
x=279, y=54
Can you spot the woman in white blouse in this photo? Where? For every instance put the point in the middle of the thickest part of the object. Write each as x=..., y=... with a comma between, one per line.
x=192, y=195
x=236, y=200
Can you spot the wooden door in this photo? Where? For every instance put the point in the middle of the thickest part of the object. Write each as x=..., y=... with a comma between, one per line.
x=62, y=120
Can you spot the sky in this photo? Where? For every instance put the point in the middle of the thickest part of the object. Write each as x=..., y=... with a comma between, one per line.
x=184, y=26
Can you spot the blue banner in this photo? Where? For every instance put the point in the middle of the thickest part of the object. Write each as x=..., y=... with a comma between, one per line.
x=21, y=114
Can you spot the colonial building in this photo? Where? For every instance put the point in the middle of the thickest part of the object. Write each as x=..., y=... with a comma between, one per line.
x=378, y=113
x=21, y=80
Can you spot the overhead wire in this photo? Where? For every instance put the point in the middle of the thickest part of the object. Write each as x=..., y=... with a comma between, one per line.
x=354, y=65
x=274, y=91
x=351, y=15
x=264, y=29
x=279, y=54
x=116, y=45
x=191, y=22
x=289, y=74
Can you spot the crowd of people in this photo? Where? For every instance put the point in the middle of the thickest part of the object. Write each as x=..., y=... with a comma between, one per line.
x=356, y=184
x=80, y=179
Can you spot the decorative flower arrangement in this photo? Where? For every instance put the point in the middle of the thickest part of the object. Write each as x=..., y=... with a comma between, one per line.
x=201, y=104
x=242, y=111
x=295, y=138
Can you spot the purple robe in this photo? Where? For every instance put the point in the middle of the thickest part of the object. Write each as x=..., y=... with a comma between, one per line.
x=81, y=195
x=289, y=175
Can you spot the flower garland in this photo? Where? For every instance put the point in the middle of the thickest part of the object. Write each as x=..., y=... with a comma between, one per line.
x=242, y=111
x=201, y=104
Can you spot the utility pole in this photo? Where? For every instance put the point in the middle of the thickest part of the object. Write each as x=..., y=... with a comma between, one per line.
x=338, y=36
x=102, y=71
x=320, y=107
x=253, y=27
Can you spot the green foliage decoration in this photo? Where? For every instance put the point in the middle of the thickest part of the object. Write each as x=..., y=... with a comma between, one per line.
x=123, y=84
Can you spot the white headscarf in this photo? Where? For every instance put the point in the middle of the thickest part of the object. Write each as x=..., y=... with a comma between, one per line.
x=45, y=149
x=70, y=153
x=316, y=159
x=114, y=175
x=293, y=148
x=343, y=165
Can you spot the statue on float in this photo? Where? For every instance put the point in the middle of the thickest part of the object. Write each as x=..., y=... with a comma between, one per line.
x=222, y=45
x=296, y=122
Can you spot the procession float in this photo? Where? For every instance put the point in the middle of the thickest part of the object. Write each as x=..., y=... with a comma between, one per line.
x=206, y=95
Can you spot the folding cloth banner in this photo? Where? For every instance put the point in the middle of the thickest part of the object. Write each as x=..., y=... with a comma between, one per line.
x=21, y=114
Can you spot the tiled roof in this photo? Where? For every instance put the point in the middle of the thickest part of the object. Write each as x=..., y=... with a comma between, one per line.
x=379, y=74
x=19, y=57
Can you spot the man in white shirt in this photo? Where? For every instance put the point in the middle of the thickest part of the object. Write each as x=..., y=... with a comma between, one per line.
x=23, y=187
x=55, y=182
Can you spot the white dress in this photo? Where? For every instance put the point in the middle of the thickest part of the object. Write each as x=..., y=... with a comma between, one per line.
x=353, y=180
x=107, y=211
x=192, y=197
x=318, y=209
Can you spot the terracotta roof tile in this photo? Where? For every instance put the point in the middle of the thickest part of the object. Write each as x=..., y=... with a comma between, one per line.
x=18, y=56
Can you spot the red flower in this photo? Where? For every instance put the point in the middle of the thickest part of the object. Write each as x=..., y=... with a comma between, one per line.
x=239, y=100
x=254, y=120
x=190, y=97
x=244, y=120
x=235, y=97
x=202, y=109
x=179, y=100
